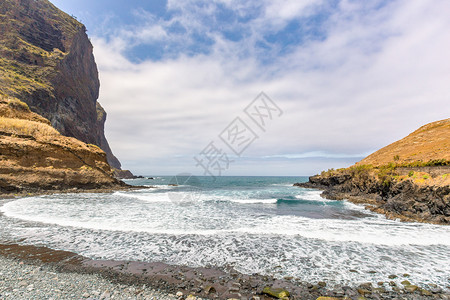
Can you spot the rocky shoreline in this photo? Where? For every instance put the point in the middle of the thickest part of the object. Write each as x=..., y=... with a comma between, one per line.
x=42, y=192
x=29, y=272
x=401, y=199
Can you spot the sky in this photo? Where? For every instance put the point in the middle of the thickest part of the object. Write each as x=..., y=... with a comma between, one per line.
x=340, y=79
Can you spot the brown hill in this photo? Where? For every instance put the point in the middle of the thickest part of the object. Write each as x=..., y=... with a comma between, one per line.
x=46, y=60
x=429, y=142
x=408, y=179
x=35, y=157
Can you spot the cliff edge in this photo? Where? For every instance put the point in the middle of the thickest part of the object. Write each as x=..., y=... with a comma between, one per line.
x=46, y=61
x=35, y=157
x=408, y=179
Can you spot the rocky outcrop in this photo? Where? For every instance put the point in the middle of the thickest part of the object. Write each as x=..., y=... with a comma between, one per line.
x=408, y=179
x=124, y=174
x=47, y=61
x=397, y=199
x=35, y=158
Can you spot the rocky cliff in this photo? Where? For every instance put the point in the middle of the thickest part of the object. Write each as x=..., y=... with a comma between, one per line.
x=46, y=60
x=35, y=158
x=409, y=179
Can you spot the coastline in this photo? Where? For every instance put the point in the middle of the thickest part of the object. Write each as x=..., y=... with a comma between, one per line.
x=369, y=203
x=124, y=187
x=167, y=281
x=397, y=197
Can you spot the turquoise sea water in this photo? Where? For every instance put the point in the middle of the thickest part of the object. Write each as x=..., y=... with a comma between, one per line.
x=254, y=224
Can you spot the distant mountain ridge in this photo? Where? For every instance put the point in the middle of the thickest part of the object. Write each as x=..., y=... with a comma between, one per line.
x=46, y=60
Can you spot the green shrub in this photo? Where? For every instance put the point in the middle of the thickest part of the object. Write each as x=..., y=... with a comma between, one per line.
x=430, y=163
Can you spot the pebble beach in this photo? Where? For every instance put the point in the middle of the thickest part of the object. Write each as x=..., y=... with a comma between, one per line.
x=19, y=280
x=100, y=280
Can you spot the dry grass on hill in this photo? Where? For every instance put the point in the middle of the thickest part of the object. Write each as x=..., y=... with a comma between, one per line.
x=429, y=142
x=16, y=118
x=26, y=127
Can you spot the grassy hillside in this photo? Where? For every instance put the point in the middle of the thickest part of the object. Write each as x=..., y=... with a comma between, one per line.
x=426, y=146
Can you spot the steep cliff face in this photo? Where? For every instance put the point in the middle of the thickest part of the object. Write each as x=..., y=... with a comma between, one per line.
x=47, y=61
x=34, y=157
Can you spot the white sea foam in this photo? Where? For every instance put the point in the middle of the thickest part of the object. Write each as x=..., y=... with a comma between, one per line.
x=164, y=187
x=218, y=230
x=254, y=201
x=283, y=184
x=149, y=197
x=145, y=219
x=193, y=196
x=312, y=196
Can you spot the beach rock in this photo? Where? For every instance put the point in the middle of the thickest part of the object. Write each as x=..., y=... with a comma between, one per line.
x=411, y=288
x=405, y=282
x=278, y=293
x=314, y=287
x=367, y=286
x=322, y=284
x=210, y=290
x=179, y=294
x=424, y=292
x=364, y=292
x=338, y=292
x=392, y=276
x=378, y=290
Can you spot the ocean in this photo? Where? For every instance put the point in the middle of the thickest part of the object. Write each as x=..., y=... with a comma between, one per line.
x=259, y=225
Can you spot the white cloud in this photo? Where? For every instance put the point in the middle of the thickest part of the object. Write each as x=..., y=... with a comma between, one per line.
x=379, y=74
